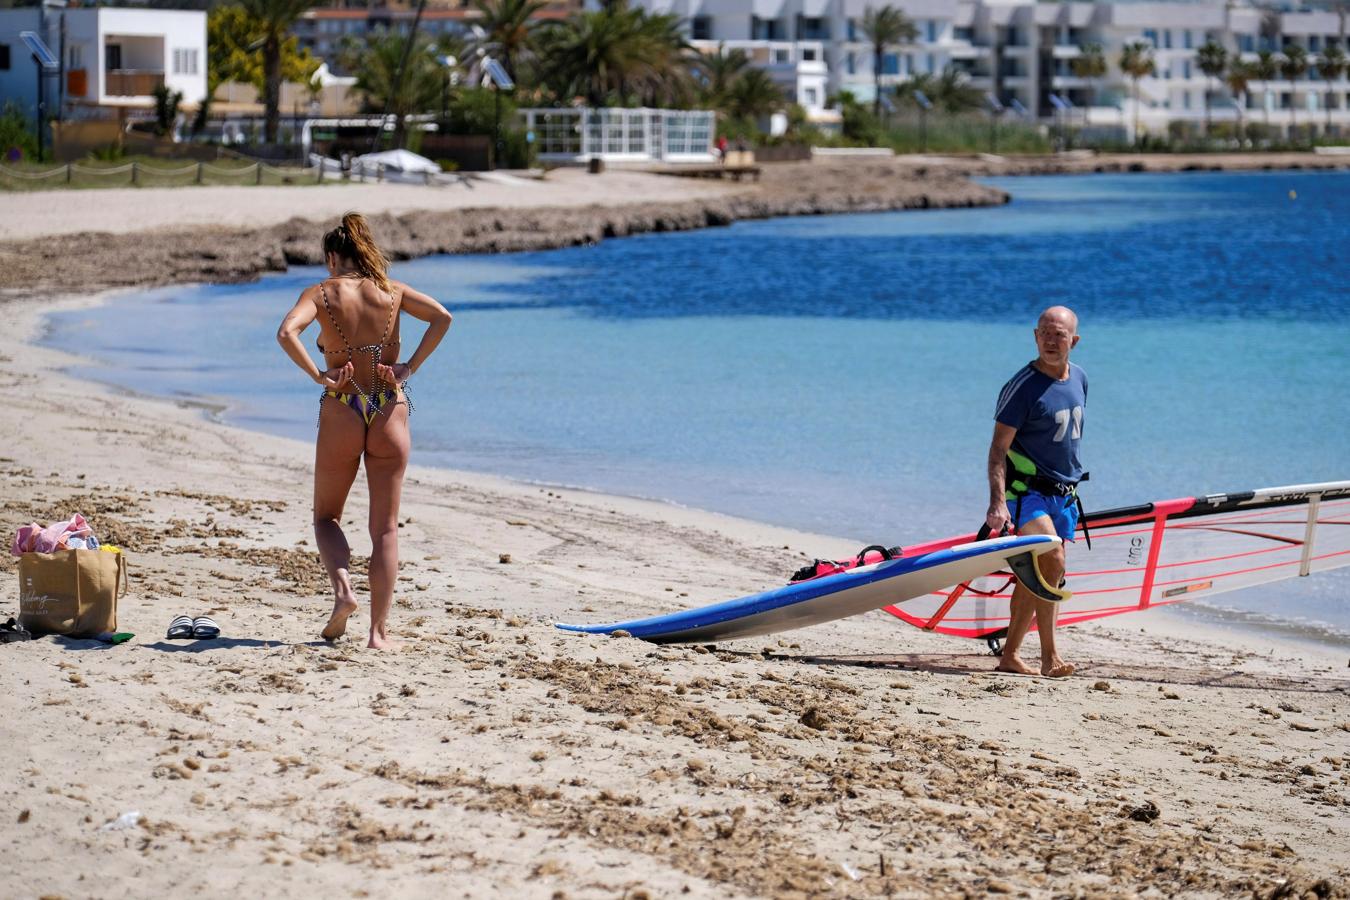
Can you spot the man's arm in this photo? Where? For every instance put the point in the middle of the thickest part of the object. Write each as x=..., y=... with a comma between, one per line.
x=998, y=517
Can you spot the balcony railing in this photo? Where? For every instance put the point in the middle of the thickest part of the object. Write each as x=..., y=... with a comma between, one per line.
x=132, y=82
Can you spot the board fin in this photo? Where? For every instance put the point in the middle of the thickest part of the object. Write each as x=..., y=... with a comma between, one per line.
x=1029, y=576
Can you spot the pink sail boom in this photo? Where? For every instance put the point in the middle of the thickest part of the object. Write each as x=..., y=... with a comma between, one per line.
x=1162, y=553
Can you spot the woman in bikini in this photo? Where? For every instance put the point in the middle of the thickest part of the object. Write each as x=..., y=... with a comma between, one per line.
x=363, y=410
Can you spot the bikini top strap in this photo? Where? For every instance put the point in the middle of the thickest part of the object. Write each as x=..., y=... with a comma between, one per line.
x=393, y=305
x=332, y=318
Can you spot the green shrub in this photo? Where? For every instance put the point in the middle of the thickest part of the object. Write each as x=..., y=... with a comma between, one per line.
x=109, y=153
x=517, y=153
x=474, y=111
x=166, y=108
x=17, y=140
x=965, y=133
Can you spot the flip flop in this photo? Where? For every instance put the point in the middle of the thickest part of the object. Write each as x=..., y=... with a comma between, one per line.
x=204, y=628
x=180, y=629
x=12, y=632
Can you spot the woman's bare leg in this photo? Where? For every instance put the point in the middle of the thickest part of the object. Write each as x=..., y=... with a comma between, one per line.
x=336, y=459
x=387, y=446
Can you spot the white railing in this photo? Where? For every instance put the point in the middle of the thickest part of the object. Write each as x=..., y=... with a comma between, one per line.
x=621, y=135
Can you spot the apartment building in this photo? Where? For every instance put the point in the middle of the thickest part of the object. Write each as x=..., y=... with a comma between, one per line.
x=109, y=59
x=323, y=30
x=1023, y=53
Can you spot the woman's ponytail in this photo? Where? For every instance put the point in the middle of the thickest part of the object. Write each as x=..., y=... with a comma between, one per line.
x=352, y=240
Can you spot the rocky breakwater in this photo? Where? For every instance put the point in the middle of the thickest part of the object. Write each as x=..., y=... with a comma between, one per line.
x=93, y=261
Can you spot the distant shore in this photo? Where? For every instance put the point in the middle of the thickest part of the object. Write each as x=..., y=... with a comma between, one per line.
x=164, y=244
x=95, y=240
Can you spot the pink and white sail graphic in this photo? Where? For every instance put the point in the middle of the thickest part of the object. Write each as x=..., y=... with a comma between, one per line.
x=1161, y=553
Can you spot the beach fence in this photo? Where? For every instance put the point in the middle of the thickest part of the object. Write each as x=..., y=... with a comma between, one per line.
x=621, y=135
x=140, y=174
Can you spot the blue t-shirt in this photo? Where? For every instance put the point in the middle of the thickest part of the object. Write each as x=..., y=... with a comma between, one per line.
x=1048, y=416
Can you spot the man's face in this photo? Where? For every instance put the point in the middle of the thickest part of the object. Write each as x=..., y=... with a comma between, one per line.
x=1054, y=339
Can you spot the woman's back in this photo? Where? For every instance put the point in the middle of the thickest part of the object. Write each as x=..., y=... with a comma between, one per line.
x=360, y=318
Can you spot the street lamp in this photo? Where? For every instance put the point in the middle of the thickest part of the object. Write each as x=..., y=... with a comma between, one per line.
x=924, y=106
x=1062, y=107
x=448, y=64
x=46, y=62
x=995, y=110
x=494, y=74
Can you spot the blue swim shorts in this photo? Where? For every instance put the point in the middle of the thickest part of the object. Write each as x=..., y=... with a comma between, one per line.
x=1063, y=512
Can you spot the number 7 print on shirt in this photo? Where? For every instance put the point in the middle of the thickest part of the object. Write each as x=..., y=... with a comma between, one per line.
x=1062, y=420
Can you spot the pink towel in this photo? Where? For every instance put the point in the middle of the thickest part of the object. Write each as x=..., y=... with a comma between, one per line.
x=24, y=539
x=53, y=537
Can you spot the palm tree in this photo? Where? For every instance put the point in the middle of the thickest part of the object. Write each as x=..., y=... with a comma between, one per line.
x=1332, y=66
x=1136, y=61
x=511, y=29
x=950, y=91
x=1212, y=58
x=754, y=95
x=1293, y=67
x=1237, y=76
x=1089, y=64
x=718, y=71
x=615, y=53
x=1266, y=68
x=671, y=81
x=272, y=20
x=378, y=66
x=884, y=27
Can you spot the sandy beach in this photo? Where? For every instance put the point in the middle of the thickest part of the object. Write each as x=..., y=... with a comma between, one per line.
x=497, y=756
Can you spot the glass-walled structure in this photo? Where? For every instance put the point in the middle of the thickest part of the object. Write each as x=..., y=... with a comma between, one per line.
x=621, y=135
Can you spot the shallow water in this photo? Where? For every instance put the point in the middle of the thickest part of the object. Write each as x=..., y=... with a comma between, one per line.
x=838, y=374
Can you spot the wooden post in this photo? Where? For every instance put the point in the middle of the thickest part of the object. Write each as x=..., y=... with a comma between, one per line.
x=135, y=172
x=259, y=171
x=200, y=167
x=67, y=173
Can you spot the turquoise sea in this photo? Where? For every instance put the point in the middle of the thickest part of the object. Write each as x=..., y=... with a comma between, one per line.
x=838, y=374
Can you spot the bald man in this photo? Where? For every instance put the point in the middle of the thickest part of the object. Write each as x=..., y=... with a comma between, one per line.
x=1034, y=470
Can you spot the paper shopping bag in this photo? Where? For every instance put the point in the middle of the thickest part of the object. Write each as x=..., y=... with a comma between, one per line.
x=72, y=592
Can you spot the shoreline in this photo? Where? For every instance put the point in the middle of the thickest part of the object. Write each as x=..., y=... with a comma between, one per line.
x=497, y=756
x=1325, y=640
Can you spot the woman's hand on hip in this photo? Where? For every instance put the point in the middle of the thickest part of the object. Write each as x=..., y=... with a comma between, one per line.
x=395, y=375
x=336, y=379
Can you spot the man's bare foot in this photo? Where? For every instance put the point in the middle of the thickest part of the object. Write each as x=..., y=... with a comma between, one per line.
x=1013, y=666
x=1056, y=668
x=343, y=608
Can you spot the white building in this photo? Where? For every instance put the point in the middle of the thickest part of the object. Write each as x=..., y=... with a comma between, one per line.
x=1024, y=51
x=111, y=59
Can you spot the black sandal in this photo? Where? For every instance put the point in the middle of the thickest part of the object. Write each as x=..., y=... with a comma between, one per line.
x=180, y=629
